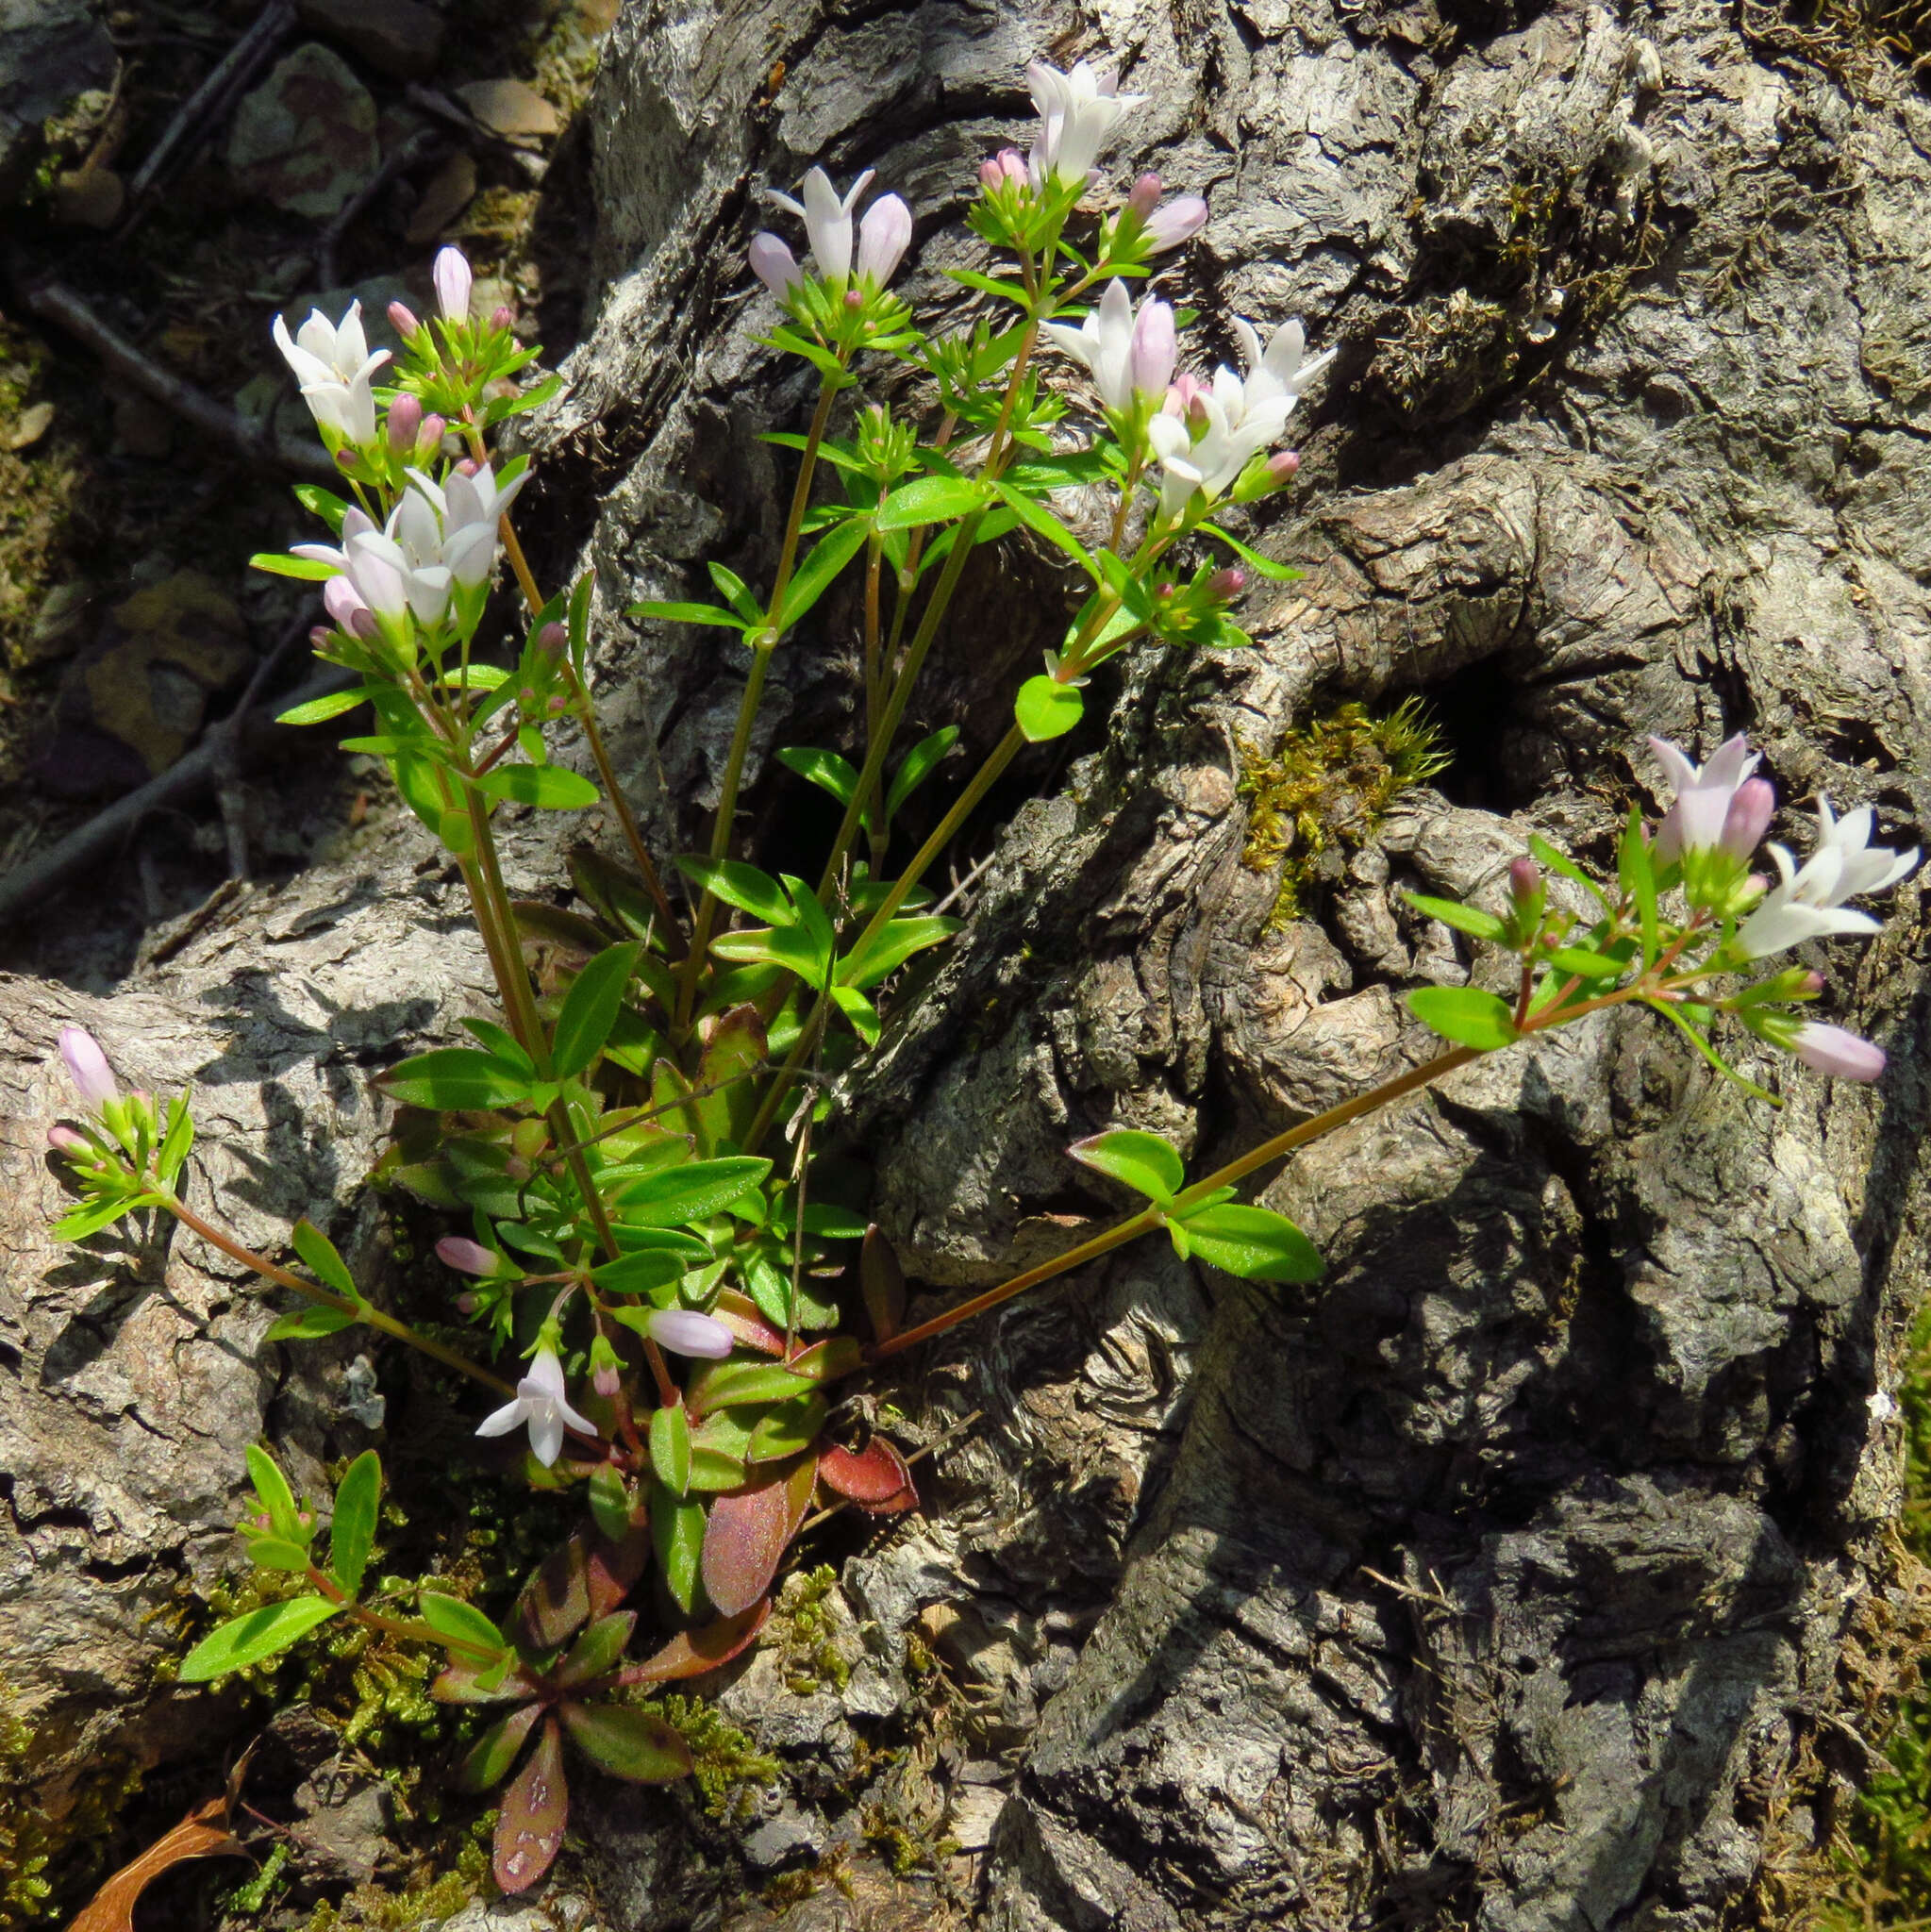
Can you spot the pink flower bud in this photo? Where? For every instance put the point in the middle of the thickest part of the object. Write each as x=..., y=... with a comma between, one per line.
x=345, y=459
x=1748, y=819
x=318, y=636
x=468, y=467
x=86, y=1066
x=1143, y=196
x=1151, y=349
x=1283, y=464
x=774, y=265
x=1832, y=1050
x=65, y=1140
x=683, y=1331
x=502, y=316
x=430, y=438
x=606, y=1380
x=1181, y=219
x=466, y=1302
x=854, y=300
x=1813, y=982
x=1010, y=164
x=454, y=282
x=467, y=1257
x=557, y=704
x=1227, y=583
x=401, y=319
x=991, y=174
x=344, y=603
x=405, y=423
x=1524, y=880
x=883, y=236
x=528, y=695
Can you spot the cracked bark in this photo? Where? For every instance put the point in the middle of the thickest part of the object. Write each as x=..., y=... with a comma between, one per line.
x=1503, y=1579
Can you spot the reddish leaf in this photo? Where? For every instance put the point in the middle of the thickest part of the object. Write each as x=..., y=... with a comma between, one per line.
x=691, y=1653
x=800, y=1481
x=827, y=1360
x=555, y=1602
x=875, y=1479
x=529, y=1827
x=743, y=1540
x=739, y=1313
x=202, y=1834
x=883, y=1284
x=459, y=1683
x=614, y=1567
x=628, y=1743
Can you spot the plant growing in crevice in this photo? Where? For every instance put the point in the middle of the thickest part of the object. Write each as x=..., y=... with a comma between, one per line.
x=643, y=1220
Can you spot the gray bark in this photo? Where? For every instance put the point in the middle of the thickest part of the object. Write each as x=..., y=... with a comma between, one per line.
x=1502, y=1578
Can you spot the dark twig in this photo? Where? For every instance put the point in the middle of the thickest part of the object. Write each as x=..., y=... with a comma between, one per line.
x=29, y=887
x=202, y=112
x=418, y=147
x=432, y=102
x=56, y=303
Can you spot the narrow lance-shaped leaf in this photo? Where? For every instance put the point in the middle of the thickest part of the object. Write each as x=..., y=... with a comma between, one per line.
x=249, y=1640
x=589, y=1008
x=352, y=1530
x=536, y=1808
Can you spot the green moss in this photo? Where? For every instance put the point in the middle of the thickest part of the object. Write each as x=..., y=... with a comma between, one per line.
x=727, y=1769
x=430, y=1896
x=805, y=1633
x=1326, y=788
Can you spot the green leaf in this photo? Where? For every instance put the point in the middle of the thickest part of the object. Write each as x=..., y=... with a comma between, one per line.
x=788, y=1430
x=1279, y=572
x=736, y=592
x=460, y=1623
x=598, y=1650
x=177, y=1142
x=739, y=885
x=352, y=1530
x=1580, y=964
x=1562, y=863
x=91, y=1217
x=1256, y=1243
x=730, y=1384
x=691, y=1193
x=1047, y=709
x=824, y=769
x=1636, y=870
x=318, y=1251
x=549, y=786
x=320, y=710
x=609, y=1501
x=455, y=1079
x=311, y=570
x=640, y=1273
x=670, y=1448
x=272, y=1552
x=321, y=503
x=676, y=1534
x=920, y=763
x=689, y=614
x=1465, y=1015
x=830, y=555
x=589, y=1008
x=627, y=1742
x=277, y=1499
x=1042, y=523
x=247, y=1639
x=1485, y=925
x=312, y=1323
x=891, y=946
x=930, y=500
x=494, y=1752
x=1145, y=1162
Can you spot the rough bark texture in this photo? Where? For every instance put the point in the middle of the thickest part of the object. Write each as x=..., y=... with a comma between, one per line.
x=1500, y=1580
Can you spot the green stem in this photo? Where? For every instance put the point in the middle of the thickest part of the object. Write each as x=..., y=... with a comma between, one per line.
x=285, y=1277
x=410, y=1627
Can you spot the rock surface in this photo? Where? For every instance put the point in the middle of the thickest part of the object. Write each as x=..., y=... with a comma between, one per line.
x=305, y=139
x=1500, y=1580
x=51, y=52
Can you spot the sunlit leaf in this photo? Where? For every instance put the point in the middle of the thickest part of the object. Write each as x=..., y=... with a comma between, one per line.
x=1143, y=1162
x=260, y=1634
x=495, y=1752
x=1464, y=1014
x=529, y=1826
x=743, y=1541
x=637, y=1746
x=876, y=1477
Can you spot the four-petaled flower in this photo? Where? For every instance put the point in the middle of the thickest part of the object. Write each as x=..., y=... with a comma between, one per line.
x=336, y=369
x=435, y=539
x=543, y=1406
x=1127, y=354
x=1077, y=112
x=1809, y=900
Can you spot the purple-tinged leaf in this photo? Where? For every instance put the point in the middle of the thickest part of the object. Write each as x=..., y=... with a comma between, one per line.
x=743, y=1540
x=827, y=1360
x=883, y=1284
x=555, y=1602
x=614, y=1567
x=469, y=1683
x=529, y=1827
x=691, y=1653
x=876, y=1479
x=801, y=1484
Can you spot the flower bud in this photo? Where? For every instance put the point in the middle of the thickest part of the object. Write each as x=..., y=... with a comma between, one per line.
x=502, y=316
x=65, y=1140
x=605, y=1380
x=774, y=265
x=468, y=467
x=86, y=1066
x=685, y=1332
x=557, y=705
x=1181, y=219
x=517, y=1169
x=1524, y=880
x=1283, y=464
x=405, y=423
x=990, y=174
x=1143, y=196
x=1832, y=1050
x=466, y=1302
x=318, y=636
x=1752, y=808
x=527, y=696
x=1226, y=584
x=452, y=281
x=465, y=1255
x=854, y=300
x=553, y=640
x=403, y=319
x=430, y=438
x=1813, y=982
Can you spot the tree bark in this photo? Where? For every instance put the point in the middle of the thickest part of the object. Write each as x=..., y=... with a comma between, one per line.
x=1502, y=1578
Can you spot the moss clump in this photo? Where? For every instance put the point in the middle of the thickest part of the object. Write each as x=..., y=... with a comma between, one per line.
x=805, y=1633
x=1326, y=788
x=428, y=1898
x=726, y=1768
x=23, y=1845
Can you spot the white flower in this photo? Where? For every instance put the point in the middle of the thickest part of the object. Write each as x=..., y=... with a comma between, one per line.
x=1205, y=436
x=1281, y=369
x=86, y=1066
x=418, y=558
x=454, y=282
x=469, y=507
x=684, y=1331
x=1807, y=903
x=1077, y=112
x=774, y=263
x=1126, y=354
x=540, y=1403
x=336, y=370
x=883, y=236
x=1705, y=797
x=828, y=220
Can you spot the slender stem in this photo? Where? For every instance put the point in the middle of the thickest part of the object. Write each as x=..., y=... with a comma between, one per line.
x=519, y=563
x=396, y=1626
x=375, y=1318
x=801, y=497
x=633, y=834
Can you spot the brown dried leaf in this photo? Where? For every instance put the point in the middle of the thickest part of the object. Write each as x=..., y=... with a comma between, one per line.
x=202, y=1834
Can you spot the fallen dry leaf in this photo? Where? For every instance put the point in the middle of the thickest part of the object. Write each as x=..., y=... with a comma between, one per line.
x=202, y=1834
